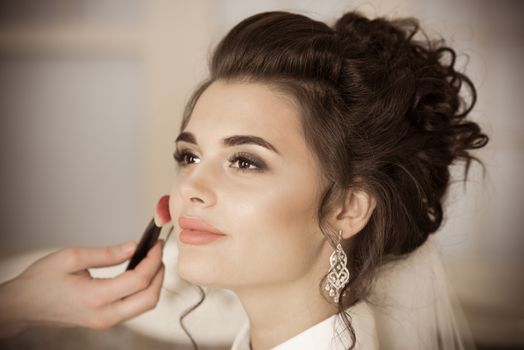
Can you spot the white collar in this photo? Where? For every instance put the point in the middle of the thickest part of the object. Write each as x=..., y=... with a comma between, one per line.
x=327, y=334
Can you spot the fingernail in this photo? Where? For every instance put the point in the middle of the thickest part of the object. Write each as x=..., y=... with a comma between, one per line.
x=129, y=247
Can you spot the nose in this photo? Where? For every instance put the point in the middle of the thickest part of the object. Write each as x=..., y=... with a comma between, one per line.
x=196, y=187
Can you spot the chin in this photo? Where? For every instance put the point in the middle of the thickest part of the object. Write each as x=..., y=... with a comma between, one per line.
x=200, y=270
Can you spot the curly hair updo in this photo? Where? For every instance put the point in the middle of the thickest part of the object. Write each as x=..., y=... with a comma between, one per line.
x=385, y=112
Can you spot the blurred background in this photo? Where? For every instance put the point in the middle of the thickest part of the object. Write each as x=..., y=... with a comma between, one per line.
x=91, y=96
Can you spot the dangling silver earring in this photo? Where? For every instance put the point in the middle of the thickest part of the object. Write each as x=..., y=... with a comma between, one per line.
x=338, y=275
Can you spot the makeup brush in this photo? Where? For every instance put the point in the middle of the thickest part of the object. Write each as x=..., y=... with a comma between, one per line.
x=152, y=232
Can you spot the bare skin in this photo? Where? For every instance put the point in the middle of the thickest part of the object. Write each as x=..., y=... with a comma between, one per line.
x=58, y=290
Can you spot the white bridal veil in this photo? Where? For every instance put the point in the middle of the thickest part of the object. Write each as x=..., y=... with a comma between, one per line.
x=415, y=308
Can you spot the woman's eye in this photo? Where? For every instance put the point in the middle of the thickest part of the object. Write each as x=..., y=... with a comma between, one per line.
x=244, y=164
x=247, y=162
x=185, y=157
x=239, y=161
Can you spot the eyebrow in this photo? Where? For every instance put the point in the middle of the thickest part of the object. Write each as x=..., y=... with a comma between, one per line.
x=230, y=141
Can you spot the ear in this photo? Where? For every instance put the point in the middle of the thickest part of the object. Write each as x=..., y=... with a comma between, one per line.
x=354, y=212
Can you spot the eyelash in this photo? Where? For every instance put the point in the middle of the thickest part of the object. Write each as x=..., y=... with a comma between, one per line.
x=180, y=157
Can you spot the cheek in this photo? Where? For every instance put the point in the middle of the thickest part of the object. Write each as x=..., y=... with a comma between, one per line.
x=174, y=205
x=276, y=229
x=290, y=207
x=176, y=208
x=282, y=212
x=272, y=207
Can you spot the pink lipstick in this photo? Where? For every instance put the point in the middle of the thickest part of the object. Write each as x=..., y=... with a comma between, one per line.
x=196, y=232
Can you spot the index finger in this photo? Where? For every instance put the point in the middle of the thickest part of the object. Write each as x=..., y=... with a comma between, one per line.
x=76, y=259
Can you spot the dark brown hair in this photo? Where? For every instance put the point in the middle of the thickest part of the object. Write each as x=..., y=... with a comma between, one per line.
x=385, y=112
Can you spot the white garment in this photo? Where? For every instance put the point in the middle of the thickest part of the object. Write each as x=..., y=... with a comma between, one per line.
x=329, y=334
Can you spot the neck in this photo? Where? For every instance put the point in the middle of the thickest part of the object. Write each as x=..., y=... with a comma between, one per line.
x=279, y=312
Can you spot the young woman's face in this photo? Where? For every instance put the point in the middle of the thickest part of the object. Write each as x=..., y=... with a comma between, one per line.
x=246, y=170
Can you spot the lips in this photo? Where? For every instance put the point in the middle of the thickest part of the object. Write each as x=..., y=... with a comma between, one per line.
x=197, y=232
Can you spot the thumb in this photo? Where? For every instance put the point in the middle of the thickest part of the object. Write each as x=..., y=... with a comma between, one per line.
x=76, y=259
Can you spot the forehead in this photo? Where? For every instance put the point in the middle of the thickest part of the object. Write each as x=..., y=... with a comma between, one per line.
x=228, y=108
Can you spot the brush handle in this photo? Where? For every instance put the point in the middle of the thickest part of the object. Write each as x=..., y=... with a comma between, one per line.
x=147, y=241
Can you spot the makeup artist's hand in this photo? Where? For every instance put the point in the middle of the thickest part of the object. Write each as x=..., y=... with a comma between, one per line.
x=58, y=290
